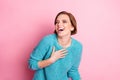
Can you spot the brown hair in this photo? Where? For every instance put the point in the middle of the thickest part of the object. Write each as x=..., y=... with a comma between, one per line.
x=72, y=20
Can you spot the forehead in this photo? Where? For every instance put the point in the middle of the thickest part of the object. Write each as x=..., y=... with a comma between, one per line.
x=63, y=16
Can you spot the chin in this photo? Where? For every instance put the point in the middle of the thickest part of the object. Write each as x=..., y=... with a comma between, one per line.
x=60, y=35
x=63, y=35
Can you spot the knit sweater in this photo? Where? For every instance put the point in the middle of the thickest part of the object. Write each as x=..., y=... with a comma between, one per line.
x=62, y=69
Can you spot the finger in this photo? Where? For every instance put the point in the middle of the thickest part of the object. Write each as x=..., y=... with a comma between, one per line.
x=64, y=51
x=53, y=49
x=63, y=55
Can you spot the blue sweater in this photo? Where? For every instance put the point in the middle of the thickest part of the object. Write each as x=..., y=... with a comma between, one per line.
x=62, y=69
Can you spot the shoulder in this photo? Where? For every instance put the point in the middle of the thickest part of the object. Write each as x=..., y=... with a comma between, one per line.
x=48, y=38
x=77, y=47
x=77, y=43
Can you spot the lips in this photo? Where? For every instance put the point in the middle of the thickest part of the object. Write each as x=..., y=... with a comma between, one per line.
x=60, y=29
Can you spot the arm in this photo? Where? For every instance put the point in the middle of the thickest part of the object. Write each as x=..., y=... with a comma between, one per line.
x=38, y=54
x=54, y=57
x=73, y=73
x=36, y=58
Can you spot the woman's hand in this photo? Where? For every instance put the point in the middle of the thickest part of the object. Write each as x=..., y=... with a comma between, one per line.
x=57, y=54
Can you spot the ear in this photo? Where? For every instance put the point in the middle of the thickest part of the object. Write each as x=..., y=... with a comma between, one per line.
x=72, y=28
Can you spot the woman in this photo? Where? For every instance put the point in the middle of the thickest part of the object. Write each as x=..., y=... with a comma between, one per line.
x=58, y=55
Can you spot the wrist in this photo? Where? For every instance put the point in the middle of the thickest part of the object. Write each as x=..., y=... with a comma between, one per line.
x=52, y=60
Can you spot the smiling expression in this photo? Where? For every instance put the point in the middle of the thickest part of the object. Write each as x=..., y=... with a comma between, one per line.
x=63, y=25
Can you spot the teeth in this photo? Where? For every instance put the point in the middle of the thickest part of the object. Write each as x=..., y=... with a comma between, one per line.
x=61, y=29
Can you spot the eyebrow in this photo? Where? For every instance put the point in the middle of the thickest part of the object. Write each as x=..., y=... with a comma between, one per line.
x=62, y=19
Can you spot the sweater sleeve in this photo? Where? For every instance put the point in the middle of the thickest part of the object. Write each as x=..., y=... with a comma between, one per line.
x=73, y=73
x=38, y=54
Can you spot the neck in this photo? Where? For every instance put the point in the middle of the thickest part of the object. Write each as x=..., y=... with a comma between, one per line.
x=64, y=41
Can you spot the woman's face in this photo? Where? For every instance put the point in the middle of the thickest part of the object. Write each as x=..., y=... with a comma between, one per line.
x=63, y=25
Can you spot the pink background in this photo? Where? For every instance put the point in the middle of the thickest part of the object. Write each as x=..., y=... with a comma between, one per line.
x=24, y=22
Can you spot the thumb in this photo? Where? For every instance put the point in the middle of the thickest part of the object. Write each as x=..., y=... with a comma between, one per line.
x=53, y=49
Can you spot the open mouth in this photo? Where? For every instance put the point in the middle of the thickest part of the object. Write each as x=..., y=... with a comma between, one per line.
x=61, y=29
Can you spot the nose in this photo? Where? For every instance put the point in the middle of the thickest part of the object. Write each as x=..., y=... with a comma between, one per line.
x=60, y=24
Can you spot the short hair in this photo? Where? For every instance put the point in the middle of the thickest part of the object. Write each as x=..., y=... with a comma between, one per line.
x=72, y=20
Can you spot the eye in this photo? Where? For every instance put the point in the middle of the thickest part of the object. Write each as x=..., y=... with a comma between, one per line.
x=64, y=21
x=57, y=22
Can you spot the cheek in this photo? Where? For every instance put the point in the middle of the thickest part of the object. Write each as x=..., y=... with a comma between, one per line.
x=67, y=26
x=55, y=26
